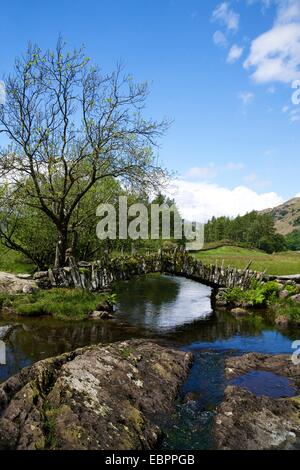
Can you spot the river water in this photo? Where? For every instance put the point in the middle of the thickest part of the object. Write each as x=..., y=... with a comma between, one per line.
x=179, y=313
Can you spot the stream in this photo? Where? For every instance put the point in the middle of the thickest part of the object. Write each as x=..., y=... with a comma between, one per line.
x=179, y=313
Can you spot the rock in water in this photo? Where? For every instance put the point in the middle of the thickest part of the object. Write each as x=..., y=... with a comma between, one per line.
x=240, y=312
x=99, y=397
x=245, y=421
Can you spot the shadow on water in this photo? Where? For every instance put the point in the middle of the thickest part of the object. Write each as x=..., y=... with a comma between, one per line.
x=177, y=311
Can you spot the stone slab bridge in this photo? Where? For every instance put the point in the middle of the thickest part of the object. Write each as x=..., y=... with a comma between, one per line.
x=100, y=275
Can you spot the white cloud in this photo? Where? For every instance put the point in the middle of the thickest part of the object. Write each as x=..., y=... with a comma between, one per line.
x=226, y=16
x=275, y=54
x=255, y=180
x=234, y=53
x=197, y=173
x=297, y=195
x=220, y=39
x=288, y=11
x=207, y=172
x=200, y=201
x=246, y=97
x=2, y=92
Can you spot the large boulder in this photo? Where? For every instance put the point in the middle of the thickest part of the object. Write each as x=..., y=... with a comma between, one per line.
x=248, y=421
x=11, y=284
x=99, y=397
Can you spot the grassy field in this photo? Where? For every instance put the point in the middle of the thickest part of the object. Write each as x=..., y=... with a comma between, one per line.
x=277, y=264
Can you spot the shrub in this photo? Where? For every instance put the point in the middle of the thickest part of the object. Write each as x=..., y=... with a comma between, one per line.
x=258, y=295
x=291, y=288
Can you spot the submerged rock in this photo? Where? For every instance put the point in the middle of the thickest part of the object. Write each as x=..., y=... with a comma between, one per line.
x=100, y=315
x=191, y=397
x=247, y=421
x=99, y=397
x=240, y=312
x=282, y=320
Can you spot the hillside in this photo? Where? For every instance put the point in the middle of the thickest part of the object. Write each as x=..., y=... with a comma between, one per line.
x=287, y=216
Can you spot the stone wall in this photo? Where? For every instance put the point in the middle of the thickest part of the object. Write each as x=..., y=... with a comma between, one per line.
x=99, y=275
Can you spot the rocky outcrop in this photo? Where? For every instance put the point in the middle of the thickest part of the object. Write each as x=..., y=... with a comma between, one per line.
x=249, y=422
x=278, y=364
x=12, y=284
x=99, y=397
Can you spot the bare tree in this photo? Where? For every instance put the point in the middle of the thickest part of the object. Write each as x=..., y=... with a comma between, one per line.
x=70, y=126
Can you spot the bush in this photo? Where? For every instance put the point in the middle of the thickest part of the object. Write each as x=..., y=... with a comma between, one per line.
x=258, y=295
x=291, y=288
x=293, y=240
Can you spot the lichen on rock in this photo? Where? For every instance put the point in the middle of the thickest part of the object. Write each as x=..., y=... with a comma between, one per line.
x=93, y=398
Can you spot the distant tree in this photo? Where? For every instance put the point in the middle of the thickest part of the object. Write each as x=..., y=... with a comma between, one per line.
x=253, y=229
x=69, y=126
x=293, y=240
x=271, y=244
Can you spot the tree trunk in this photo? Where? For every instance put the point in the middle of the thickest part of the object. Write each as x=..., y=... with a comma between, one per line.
x=61, y=248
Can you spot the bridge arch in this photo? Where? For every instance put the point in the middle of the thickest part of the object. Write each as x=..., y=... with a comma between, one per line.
x=98, y=275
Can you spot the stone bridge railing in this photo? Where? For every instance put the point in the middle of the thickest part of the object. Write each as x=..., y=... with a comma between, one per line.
x=99, y=275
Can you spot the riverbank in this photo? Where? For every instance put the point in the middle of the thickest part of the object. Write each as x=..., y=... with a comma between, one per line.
x=60, y=303
x=280, y=299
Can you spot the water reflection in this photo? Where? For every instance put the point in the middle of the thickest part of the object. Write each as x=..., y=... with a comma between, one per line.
x=163, y=304
x=176, y=310
x=267, y=384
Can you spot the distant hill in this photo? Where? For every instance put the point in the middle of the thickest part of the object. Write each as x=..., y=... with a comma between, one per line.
x=287, y=216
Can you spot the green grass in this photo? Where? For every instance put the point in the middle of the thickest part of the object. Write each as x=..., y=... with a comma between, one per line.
x=64, y=304
x=13, y=262
x=278, y=264
x=288, y=308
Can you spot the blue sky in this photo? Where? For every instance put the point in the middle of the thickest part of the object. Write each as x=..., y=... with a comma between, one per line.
x=221, y=70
